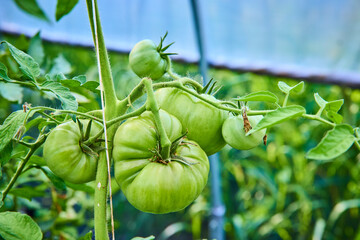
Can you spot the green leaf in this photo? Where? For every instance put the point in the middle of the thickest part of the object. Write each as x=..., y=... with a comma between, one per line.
x=335, y=117
x=265, y=96
x=27, y=64
x=67, y=99
x=61, y=65
x=1, y=194
x=336, y=142
x=320, y=101
x=319, y=229
x=27, y=192
x=63, y=7
x=277, y=116
x=17, y=226
x=298, y=88
x=81, y=187
x=87, y=236
x=334, y=106
x=11, y=92
x=9, y=128
x=5, y=154
x=36, y=49
x=78, y=82
x=37, y=160
x=3, y=72
x=58, y=182
x=145, y=238
x=32, y=7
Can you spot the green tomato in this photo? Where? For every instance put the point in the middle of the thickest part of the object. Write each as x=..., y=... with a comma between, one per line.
x=234, y=133
x=147, y=61
x=66, y=157
x=202, y=120
x=149, y=183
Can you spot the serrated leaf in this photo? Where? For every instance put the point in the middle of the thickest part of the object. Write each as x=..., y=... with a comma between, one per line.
x=27, y=192
x=3, y=72
x=58, y=182
x=67, y=99
x=32, y=7
x=61, y=65
x=11, y=92
x=334, y=143
x=319, y=100
x=287, y=89
x=87, y=236
x=334, y=117
x=36, y=49
x=17, y=226
x=10, y=127
x=265, y=96
x=27, y=64
x=277, y=116
x=63, y=7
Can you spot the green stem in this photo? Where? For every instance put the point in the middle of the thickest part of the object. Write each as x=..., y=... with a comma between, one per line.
x=285, y=100
x=169, y=69
x=153, y=106
x=317, y=118
x=189, y=81
x=19, y=170
x=357, y=144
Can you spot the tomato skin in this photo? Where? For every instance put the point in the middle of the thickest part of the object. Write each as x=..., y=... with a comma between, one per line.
x=202, y=121
x=146, y=61
x=65, y=157
x=152, y=186
x=234, y=133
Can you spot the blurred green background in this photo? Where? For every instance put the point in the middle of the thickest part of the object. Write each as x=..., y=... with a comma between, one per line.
x=270, y=192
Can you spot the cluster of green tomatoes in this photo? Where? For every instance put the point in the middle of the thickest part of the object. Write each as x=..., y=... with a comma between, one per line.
x=151, y=183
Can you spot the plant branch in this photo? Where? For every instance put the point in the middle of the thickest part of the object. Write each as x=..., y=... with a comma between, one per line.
x=317, y=118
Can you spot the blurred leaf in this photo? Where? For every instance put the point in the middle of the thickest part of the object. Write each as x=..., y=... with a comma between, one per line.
x=287, y=89
x=334, y=117
x=17, y=226
x=1, y=194
x=58, y=182
x=11, y=92
x=27, y=192
x=319, y=229
x=34, y=122
x=32, y=7
x=5, y=154
x=172, y=230
x=265, y=96
x=340, y=208
x=336, y=142
x=332, y=106
x=319, y=100
x=145, y=238
x=9, y=128
x=277, y=116
x=87, y=236
x=3, y=72
x=27, y=64
x=67, y=99
x=36, y=49
x=37, y=160
x=63, y=7
x=80, y=187
x=61, y=65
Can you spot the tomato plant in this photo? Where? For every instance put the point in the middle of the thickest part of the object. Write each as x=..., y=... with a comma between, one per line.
x=149, y=182
x=201, y=120
x=234, y=132
x=68, y=156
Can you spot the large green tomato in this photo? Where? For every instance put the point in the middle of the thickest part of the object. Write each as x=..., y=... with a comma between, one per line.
x=66, y=157
x=234, y=133
x=147, y=61
x=149, y=183
x=202, y=121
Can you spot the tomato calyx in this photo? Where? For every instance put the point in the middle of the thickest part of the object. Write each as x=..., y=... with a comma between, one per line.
x=180, y=141
x=161, y=50
x=211, y=88
x=92, y=149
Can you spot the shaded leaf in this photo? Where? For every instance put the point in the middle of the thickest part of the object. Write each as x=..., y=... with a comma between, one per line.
x=145, y=238
x=37, y=160
x=335, y=117
x=32, y=7
x=27, y=192
x=67, y=99
x=36, y=49
x=87, y=236
x=5, y=154
x=11, y=92
x=61, y=65
x=17, y=226
x=81, y=187
x=336, y=142
x=3, y=72
x=58, y=182
x=27, y=64
x=63, y=7
x=277, y=116
x=265, y=96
